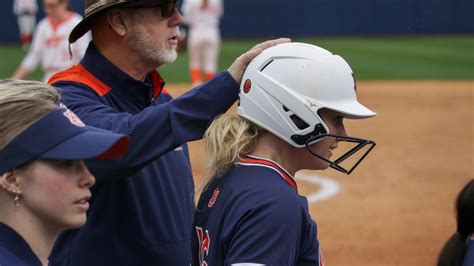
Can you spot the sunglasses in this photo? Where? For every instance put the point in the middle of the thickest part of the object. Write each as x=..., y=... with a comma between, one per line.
x=167, y=9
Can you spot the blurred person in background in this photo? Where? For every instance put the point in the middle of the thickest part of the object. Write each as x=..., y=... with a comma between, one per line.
x=25, y=10
x=459, y=249
x=50, y=46
x=204, y=39
x=44, y=183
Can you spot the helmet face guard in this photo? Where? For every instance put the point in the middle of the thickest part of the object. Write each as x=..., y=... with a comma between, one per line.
x=319, y=134
x=336, y=164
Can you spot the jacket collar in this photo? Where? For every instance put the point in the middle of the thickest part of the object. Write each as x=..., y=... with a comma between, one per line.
x=112, y=76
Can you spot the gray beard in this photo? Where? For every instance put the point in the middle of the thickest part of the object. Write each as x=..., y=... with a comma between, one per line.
x=145, y=45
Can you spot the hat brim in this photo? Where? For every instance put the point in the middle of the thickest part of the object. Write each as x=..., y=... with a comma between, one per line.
x=92, y=143
x=85, y=25
x=350, y=109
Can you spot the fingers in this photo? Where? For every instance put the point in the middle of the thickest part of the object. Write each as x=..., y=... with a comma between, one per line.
x=237, y=68
x=257, y=49
x=270, y=43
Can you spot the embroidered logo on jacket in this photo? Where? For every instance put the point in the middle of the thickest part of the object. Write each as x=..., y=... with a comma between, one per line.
x=204, y=243
x=213, y=199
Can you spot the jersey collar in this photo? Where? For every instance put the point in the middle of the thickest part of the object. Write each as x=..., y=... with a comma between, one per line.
x=14, y=243
x=258, y=161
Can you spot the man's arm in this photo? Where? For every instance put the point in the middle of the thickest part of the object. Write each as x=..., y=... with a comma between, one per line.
x=156, y=129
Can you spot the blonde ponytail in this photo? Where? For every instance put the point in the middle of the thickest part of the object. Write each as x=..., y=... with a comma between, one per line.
x=228, y=139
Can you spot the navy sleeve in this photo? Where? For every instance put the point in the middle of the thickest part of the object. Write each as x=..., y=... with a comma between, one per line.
x=469, y=255
x=156, y=129
x=270, y=233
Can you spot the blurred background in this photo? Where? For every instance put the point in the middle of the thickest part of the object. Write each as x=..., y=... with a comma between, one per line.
x=382, y=39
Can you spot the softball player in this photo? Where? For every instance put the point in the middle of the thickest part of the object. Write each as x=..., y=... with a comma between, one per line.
x=202, y=17
x=293, y=100
x=50, y=42
x=25, y=10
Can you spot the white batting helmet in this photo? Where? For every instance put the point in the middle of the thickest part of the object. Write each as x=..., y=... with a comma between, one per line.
x=286, y=85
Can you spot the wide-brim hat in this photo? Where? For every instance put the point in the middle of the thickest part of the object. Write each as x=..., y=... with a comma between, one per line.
x=95, y=7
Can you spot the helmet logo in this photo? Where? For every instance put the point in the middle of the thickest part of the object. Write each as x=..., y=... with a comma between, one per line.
x=247, y=86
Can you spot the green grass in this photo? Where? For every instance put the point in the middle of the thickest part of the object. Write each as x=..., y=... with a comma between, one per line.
x=416, y=57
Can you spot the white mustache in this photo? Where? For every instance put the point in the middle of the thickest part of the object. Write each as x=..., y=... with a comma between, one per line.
x=175, y=33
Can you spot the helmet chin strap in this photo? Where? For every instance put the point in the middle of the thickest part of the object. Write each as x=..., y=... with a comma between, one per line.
x=336, y=163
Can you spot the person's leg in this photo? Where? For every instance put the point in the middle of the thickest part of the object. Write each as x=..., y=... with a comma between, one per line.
x=194, y=52
x=211, y=54
x=26, y=24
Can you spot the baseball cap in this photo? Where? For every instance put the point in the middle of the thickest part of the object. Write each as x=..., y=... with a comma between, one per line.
x=61, y=135
x=95, y=7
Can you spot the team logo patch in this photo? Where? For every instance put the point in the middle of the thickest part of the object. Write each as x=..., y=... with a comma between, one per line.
x=213, y=199
x=204, y=243
x=72, y=116
x=247, y=85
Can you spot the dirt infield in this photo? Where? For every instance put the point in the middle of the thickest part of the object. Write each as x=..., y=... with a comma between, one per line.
x=397, y=207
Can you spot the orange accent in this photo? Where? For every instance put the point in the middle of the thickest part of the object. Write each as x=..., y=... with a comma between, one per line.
x=79, y=74
x=25, y=38
x=195, y=74
x=158, y=84
x=119, y=149
x=210, y=75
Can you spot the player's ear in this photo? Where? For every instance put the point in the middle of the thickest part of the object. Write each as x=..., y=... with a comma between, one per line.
x=116, y=19
x=9, y=181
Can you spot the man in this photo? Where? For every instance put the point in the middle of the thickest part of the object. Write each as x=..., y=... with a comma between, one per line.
x=142, y=206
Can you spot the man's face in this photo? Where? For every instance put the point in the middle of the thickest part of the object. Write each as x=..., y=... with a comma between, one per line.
x=154, y=37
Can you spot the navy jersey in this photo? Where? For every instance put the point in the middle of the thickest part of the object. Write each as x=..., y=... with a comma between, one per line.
x=253, y=214
x=469, y=255
x=14, y=251
x=142, y=204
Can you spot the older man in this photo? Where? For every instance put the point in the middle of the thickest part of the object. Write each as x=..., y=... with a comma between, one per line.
x=142, y=205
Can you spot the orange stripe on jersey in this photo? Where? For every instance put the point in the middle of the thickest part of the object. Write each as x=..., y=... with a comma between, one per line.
x=79, y=74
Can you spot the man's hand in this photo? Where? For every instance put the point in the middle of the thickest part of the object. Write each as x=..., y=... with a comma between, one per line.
x=237, y=68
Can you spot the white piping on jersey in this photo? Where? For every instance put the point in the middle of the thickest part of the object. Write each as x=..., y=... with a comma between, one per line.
x=267, y=166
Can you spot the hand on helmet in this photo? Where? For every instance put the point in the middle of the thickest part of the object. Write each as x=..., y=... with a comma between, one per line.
x=237, y=68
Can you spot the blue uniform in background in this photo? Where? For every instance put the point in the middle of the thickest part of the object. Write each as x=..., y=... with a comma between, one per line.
x=253, y=214
x=142, y=205
x=14, y=251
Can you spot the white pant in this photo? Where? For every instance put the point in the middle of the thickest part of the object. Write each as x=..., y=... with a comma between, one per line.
x=26, y=23
x=203, y=46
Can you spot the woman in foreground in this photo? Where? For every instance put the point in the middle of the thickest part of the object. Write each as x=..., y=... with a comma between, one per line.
x=44, y=183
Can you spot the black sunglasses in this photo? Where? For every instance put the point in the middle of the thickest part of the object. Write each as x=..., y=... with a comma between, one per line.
x=167, y=8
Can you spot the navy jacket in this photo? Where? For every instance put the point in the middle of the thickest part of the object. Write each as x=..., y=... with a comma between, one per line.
x=253, y=214
x=14, y=251
x=142, y=205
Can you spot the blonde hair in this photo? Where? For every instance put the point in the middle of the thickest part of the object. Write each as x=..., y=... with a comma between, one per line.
x=228, y=139
x=22, y=103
